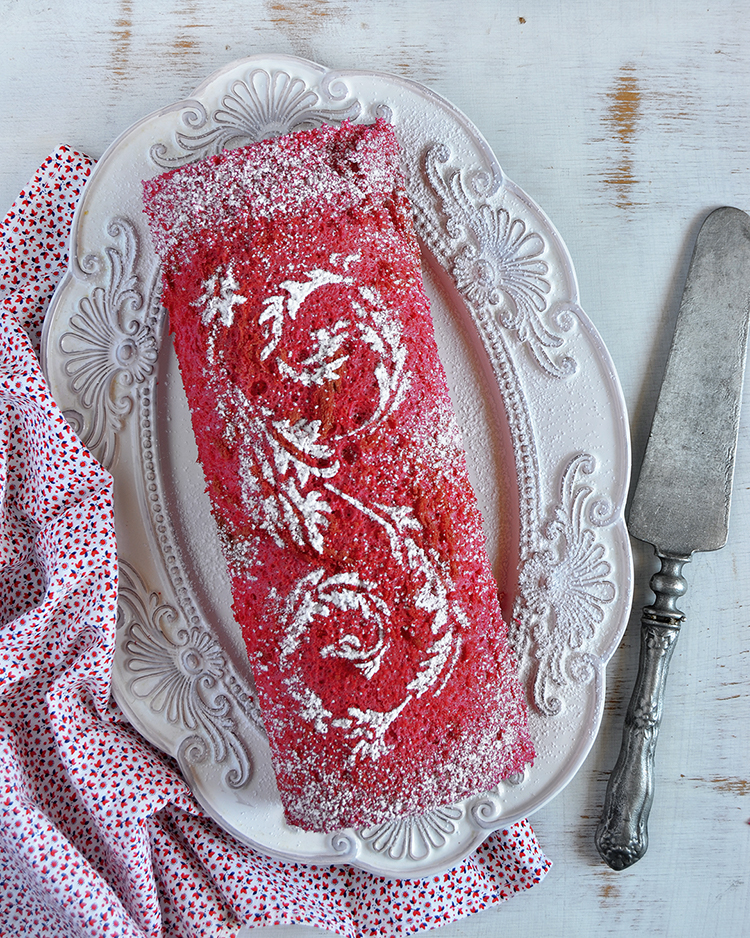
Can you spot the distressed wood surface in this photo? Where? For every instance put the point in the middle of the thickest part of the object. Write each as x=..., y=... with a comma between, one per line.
x=628, y=123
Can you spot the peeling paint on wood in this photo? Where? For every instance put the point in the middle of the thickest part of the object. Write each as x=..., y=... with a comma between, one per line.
x=728, y=784
x=609, y=892
x=121, y=37
x=185, y=47
x=621, y=118
x=301, y=18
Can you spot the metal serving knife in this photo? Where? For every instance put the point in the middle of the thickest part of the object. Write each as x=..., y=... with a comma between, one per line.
x=681, y=502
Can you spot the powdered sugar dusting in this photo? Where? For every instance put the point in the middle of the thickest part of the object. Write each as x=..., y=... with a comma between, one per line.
x=307, y=169
x=327, y=437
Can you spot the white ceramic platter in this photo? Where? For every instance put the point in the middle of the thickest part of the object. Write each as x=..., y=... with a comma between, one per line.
x=535, y=392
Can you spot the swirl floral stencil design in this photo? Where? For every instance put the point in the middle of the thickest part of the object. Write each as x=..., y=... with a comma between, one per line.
x=298, y=457
x=111, y=345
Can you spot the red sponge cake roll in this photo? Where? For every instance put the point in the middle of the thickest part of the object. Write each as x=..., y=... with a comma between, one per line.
x=337, y=477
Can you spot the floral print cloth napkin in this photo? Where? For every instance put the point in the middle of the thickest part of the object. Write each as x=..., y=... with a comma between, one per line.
x=99, y=833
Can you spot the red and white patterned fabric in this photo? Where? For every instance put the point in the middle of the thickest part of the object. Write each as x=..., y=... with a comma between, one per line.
x=99, y=833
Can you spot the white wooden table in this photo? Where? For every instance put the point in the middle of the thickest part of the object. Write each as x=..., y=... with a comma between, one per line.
x=627, y=123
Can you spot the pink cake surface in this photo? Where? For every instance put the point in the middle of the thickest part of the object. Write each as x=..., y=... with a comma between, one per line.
x=337, y=476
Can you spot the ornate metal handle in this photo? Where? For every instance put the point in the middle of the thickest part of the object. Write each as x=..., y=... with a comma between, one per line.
x=622, y=834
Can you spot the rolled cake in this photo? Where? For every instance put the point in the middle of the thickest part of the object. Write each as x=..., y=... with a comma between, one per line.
x=337, y=476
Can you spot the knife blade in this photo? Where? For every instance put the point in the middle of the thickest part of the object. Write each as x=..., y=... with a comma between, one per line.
x=682, y=499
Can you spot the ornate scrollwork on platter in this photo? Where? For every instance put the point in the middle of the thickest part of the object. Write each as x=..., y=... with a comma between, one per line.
x=111, y=345
x=496, y=259
x=240, y=104
x=564, y=590
x=416, y=837
x=261, y=105
x=182, y=673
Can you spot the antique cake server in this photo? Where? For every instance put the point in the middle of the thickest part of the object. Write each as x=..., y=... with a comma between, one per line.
x=681, y=502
